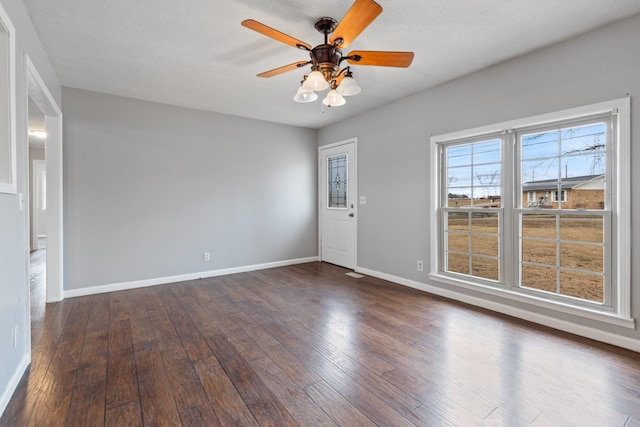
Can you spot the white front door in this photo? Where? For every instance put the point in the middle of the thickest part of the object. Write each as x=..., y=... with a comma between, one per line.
x=338, y=203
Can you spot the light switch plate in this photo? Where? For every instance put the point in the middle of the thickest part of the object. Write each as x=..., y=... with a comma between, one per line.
x=363, y=200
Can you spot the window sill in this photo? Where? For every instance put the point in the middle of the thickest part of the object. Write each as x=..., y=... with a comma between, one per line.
x=595, y=315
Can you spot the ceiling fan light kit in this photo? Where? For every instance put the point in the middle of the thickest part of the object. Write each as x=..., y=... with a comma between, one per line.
x=326, y=59
x=305, y=95
x=333, y=99
x=316, y=81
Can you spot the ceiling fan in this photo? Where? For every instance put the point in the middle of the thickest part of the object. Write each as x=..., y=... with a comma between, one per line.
x=327, y=58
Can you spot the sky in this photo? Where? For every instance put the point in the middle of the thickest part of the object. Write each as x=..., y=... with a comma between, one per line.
x=475, y=168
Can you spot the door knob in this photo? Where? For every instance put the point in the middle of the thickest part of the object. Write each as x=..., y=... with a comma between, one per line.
x=351, y=215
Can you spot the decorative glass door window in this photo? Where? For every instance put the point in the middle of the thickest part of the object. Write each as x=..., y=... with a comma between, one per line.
x=337, y=175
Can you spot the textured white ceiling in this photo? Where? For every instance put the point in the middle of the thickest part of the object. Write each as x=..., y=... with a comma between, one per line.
x=196, y=54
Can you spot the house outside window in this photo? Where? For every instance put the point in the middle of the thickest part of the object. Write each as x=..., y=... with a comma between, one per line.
x=544, y=213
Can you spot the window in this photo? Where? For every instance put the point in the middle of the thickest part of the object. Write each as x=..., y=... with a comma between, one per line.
x=531, y=198
x=337, y=185
x=563, y=196
x=471, y=211
x=537, y=210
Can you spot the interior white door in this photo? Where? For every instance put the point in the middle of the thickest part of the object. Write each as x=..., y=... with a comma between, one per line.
x=338, y=190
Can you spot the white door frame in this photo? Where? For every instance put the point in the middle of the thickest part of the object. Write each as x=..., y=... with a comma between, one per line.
x=353, y=163
x=41, y=96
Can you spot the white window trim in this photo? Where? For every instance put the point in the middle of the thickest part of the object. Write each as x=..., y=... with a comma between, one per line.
x=621, y=207
x=554, y=195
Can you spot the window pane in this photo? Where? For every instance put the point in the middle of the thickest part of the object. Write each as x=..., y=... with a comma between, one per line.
x=582, y=229
x=579, y=285
x=484, y=222
x=486, y=197
x=538, y=251
x=337, y=174
x=457, y=263
x=484, y=237
x=486, y=152
x=458, y=221
x=582, y=257
x=459, y=155
x=484, y=245
x=538, y=145
x=584, y=192
x=459, y=197
x=541, y=278
x=474, y=174
x=542, y=226
x=459, y=177
x=458, y=242
x=540, y=175
x=458, y=231
x=584, y=164
x=581, y=139
x=581, y=260
x=486, y=175
x=489, y=268
x=567, y=164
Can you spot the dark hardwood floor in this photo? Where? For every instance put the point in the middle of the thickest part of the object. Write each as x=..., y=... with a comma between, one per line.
x=306, y=345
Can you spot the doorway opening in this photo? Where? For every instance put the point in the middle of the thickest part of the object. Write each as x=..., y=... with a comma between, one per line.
x=44, y=266
x=37, y=196
x=43, y=105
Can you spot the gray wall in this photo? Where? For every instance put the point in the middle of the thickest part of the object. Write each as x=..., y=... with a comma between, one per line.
x=393, y=141
x=14, y=285
x=150, y=187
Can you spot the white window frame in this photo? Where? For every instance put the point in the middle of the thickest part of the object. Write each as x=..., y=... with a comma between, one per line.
x=563, y=195
x=531, y=197
x=619, y=160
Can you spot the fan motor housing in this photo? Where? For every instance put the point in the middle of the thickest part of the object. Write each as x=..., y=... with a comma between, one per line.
x=326, y=57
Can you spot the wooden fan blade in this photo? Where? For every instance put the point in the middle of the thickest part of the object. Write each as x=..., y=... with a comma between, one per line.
x=275, y=34
x=380, y=58
x=284, y=69
x=361, y=14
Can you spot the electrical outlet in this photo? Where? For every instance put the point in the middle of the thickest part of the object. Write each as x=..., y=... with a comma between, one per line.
x=420, y=266
x=206, y=257
x=15, y=337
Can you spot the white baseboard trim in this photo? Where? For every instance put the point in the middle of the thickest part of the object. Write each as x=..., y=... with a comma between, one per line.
x=563, y=325
x=71, y=293
x=14, y=381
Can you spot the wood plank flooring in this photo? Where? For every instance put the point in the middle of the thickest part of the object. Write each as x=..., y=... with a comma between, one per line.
x=306, y=345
